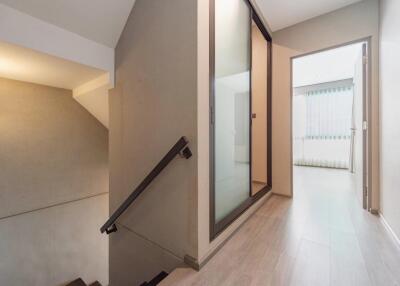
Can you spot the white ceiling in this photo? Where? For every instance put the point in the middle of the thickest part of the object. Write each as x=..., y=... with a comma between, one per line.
x=103, y=20
x=99, y=20
x=27, y=65
x=327, y=66
x=284, y=13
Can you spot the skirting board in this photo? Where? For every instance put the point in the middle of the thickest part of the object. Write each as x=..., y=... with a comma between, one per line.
x=374, y=212
x=196, y=265
x=389, y=229
x=192, y=262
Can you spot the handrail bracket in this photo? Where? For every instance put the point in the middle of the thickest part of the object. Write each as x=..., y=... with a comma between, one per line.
x=186, y=153
x=111, y=229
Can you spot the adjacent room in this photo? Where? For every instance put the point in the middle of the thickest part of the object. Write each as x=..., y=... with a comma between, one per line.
x=328, y=102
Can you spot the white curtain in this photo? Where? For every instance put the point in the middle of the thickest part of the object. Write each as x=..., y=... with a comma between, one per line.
x=322, y=121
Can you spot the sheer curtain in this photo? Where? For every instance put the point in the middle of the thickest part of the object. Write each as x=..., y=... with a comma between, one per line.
x=322, y=121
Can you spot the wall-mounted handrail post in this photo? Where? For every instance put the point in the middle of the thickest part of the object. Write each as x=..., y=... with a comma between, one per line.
x=181, y=148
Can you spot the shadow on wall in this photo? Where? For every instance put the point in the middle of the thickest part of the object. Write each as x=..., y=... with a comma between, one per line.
x=53, y=187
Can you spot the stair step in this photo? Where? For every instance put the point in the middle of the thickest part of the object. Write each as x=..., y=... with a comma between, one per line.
x=161, y=276
x=77, y=282
x=80, y=282
x=154, y=282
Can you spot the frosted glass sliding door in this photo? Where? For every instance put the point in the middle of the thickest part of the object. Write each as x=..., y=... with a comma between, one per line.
x=231, y=106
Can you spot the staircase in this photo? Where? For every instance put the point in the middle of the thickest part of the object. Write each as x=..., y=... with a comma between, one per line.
x=161, y=276
x=80, y=282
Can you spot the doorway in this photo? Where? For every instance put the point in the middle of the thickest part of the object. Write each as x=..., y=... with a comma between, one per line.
x=240, y=108
x=330, y=119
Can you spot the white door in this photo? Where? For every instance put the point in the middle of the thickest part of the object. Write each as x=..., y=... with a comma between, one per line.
x=359, y=152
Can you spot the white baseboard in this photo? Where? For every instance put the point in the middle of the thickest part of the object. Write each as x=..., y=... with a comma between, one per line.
x=389, y=229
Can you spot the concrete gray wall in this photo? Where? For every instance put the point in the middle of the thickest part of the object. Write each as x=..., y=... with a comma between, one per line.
x=53, y=188
x=389, y=111
x=151, y=107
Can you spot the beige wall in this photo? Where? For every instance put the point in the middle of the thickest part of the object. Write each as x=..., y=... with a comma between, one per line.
x=96, y=102
x=351, y=23
x=203, y=128
x=390, y=104
x=93, y=96
x=53, y=187
x=259, y=106
x=152, y=106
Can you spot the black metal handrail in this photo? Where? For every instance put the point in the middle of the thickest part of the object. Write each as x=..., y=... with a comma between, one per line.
x=181, y=148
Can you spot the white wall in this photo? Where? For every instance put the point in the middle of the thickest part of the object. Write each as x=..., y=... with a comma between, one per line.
x=94, y=97
x=23, y=64
x=29, y=32
x=46, y=54
x=96, y=102
x=390, y=105
x=351, y=23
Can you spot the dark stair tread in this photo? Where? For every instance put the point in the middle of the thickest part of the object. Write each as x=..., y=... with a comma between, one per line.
x=97, y=283
x=160, y=277
x=77, y=282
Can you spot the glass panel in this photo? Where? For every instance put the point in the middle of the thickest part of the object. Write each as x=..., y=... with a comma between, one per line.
x=232, y=105
x=259, y=74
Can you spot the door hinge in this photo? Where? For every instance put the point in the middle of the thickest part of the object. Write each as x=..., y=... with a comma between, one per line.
x=365, y=60
x=211, y=115
x=366, y=191
x=365, y=125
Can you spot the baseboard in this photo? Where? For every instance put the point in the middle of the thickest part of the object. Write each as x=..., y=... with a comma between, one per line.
x=282, y=195
x=389, y=229
x=374, y=212
x=197, y=265
x=192, y=262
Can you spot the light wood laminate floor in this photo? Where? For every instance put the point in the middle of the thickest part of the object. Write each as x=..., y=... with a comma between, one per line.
x=320, y=237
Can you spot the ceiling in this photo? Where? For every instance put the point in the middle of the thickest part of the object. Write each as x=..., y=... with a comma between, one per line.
x=328, y=66
x=103, y=20
x=27, y=65
x=284, y=13
x=99, y=20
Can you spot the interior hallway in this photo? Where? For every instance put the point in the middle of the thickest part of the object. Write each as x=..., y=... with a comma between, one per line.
x=321, y=237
